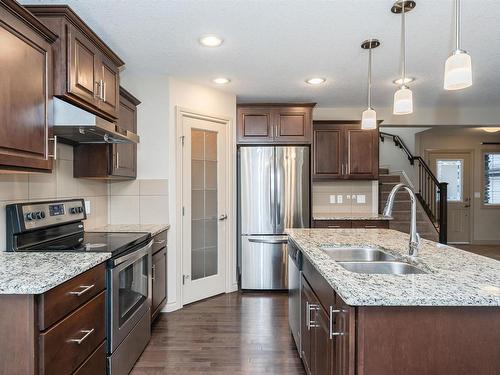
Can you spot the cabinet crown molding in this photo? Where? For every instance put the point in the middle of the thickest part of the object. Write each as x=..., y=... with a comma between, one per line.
x=66, y=12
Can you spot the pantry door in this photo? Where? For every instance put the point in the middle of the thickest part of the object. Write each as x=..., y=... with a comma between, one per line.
x=203, y=208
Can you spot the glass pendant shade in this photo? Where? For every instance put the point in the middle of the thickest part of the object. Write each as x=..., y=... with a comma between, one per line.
x=403, y=101
x=458, y=71
x=369, y=119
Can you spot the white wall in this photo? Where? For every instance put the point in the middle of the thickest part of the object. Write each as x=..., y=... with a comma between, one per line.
x=393, y=157
x=207, y=101
x=421, y=116
x=152, y=123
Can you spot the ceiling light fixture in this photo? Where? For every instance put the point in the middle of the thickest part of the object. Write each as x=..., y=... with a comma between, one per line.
x=491, y=130
x=401, y=81
x=369, y=116
x=221, y=80
x=211, y=41
x=315, y=81
x=403, y=98
x=458, y=67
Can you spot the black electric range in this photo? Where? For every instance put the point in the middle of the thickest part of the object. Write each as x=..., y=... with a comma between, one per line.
x=58, y=226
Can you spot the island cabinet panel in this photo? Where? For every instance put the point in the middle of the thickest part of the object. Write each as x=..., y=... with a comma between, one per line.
x=274, y=123
x=343, y=151
x=26, y=141
x=86, y=69
x=306, y=299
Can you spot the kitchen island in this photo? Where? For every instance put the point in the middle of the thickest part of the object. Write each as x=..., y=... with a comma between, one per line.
x=445, y=319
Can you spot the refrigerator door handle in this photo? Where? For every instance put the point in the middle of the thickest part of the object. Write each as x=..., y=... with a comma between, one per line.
x=272, y=242
x=272, y=192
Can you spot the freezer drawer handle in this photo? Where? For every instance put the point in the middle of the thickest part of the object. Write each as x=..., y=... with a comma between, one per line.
x=271, y=242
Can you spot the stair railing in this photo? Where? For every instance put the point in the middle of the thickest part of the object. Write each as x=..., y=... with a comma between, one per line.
x=431, y=193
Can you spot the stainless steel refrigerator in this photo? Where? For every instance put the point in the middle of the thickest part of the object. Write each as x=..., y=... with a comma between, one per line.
x=273, y=195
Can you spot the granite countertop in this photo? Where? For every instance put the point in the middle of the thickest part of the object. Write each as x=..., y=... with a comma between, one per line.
x=154, y=229
x=349, y=216
x=37, y=272
x=455, y=277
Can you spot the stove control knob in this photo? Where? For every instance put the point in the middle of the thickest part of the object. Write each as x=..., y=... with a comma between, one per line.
x=73, y=210
x=30, y=216
x=42, y=214
x=38, y=215
x=80, y=210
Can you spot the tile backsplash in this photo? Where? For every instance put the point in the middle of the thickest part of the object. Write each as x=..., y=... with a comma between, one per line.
x=143, y=201
x=59, y=184
x=344, y=197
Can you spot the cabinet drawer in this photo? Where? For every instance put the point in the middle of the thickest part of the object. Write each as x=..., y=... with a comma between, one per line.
x=159, y=241
x=66, y=345
x=95, y=364
x=370, y=224
x=61, y=300
x=332, y=224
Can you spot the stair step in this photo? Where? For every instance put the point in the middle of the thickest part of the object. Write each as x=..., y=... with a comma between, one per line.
x=405, y=214
x=398, y=205
x=387, y=186
x=389, y=178
x=383, y=171
x=400, y=196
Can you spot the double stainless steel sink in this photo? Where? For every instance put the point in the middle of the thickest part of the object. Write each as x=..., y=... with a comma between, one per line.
x=369, y=260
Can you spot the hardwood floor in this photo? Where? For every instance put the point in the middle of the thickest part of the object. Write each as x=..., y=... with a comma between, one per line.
x=491, y=251
x=229, y=334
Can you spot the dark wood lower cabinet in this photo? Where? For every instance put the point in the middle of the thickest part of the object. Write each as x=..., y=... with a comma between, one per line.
x=339, y=339
x=159, y=272
x=56, y=332
x=363, y=224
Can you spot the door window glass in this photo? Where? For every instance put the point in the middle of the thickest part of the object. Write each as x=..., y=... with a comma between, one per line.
x=491, y=178
x=204, y=203
x=451, y=171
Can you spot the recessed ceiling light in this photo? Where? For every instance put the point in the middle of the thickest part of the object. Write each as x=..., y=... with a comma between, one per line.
x=211, y=41
x=400, y=82
x=221, y=80
x=491, y=130
x=316, y=81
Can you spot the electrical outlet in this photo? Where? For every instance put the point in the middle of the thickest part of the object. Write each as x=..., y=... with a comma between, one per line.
x=477, y=194
x=361, y=198
x=332, y=199
x=339, y=199
x=87, y=207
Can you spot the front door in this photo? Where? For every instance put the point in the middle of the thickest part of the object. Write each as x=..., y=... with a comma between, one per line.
x=455, y=169
x=204, y=208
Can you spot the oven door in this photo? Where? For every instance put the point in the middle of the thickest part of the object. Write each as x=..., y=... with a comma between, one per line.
x=130, y=292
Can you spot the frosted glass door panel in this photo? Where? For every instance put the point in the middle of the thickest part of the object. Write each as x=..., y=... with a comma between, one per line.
x=451, y=171
x=203, y=203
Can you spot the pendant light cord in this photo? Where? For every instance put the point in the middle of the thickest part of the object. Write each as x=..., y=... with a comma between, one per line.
x=457, y=25
x=403, y=46
x=370, y=76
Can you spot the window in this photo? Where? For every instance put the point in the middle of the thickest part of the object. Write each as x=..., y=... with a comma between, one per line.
x=451, y=171
x=492, y=178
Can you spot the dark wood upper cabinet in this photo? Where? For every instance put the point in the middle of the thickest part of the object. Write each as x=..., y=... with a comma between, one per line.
x=111, y=161
x=342, y=150
x=25, y=90
x=274, y=123
x=86, y=71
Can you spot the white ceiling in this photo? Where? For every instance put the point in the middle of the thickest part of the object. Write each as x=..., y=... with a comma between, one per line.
x=272, y=46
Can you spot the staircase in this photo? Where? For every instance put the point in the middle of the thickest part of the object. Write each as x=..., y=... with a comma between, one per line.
x=402, y=208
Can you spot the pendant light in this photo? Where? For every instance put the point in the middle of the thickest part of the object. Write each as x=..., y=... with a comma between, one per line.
x=369, y=116
x=403, y=97
x=458, y=67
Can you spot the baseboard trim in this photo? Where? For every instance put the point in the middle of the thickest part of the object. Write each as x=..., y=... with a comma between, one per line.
x=171, y=306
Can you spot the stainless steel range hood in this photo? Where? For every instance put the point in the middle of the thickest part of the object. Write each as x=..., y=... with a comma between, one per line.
x=79, y=126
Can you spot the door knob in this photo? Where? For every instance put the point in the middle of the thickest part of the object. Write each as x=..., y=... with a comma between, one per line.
x=222, y=217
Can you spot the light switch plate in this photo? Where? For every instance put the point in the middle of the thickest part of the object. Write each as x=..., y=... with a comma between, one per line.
x=340, y=199
x=332, y=199
x=87, y=207
x=477, y=194
x=361, y=198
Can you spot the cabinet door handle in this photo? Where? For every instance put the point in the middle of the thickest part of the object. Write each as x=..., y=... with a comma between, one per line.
x=371, y=226
x=332, y=333
x=54, y=154
x=85, y=289
x=87, y=333
x=309, y=322
x=153, y=277
x=334, y=226
x=117, y=160
x=159, y=242
x=101, y=89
